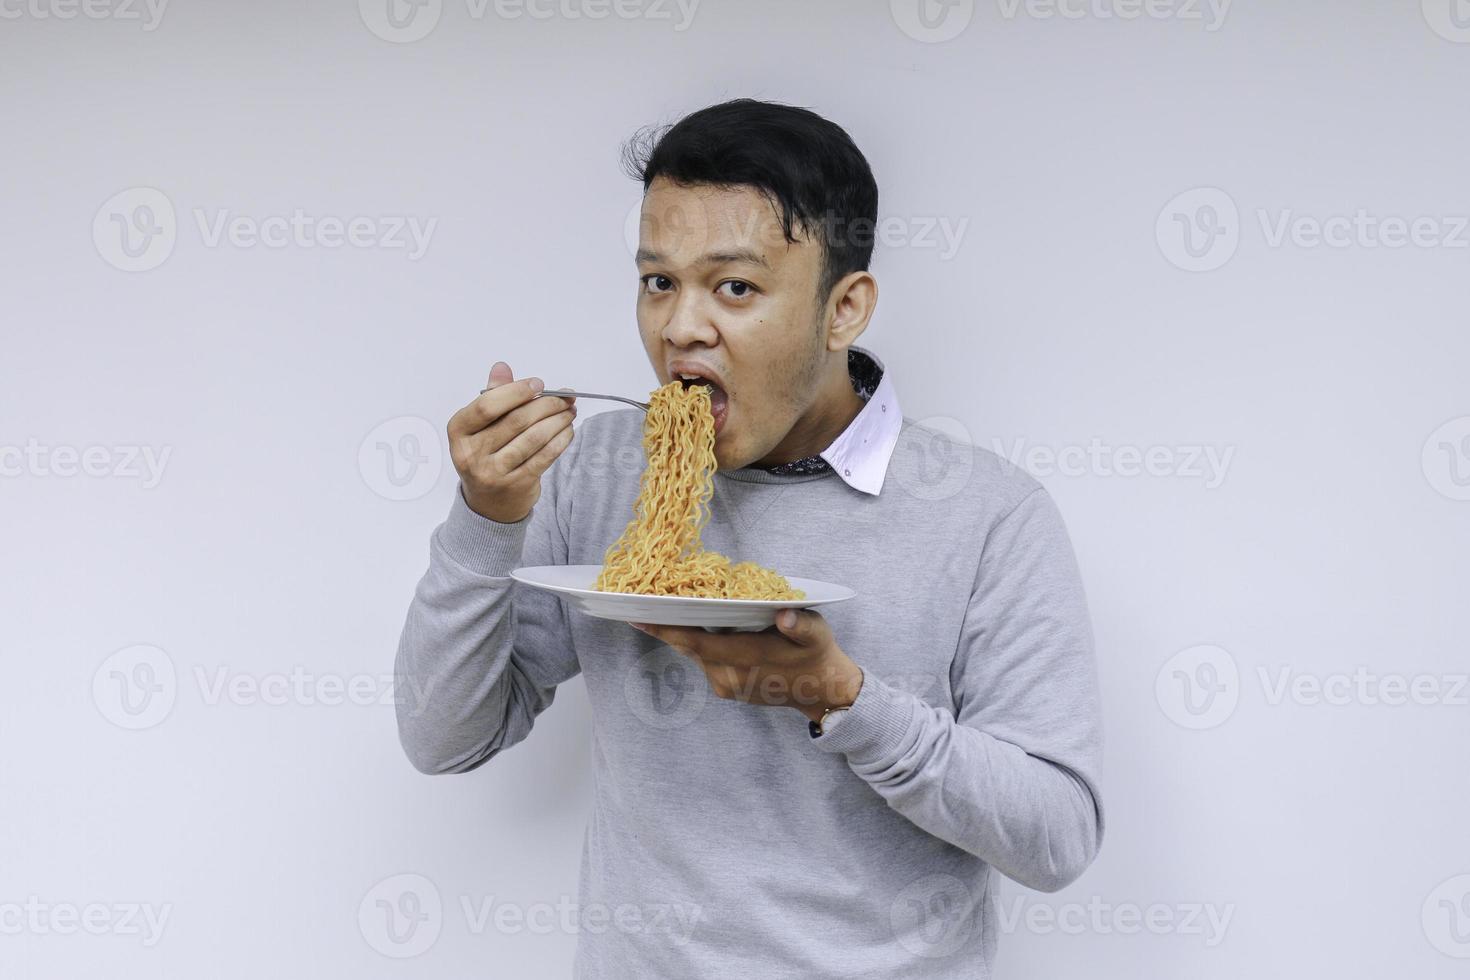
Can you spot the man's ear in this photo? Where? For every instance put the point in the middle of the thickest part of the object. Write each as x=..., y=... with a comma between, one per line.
x=849, y=308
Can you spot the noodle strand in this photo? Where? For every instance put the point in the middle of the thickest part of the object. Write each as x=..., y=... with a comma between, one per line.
x=659, y=553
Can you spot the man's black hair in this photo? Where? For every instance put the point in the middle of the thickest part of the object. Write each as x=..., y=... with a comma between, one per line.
x=815, y=177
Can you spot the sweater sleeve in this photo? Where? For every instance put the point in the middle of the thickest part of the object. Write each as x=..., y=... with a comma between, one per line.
x=480, y=655
x=1011, y=775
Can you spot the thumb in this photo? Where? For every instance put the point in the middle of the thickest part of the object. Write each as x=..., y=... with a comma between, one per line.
x=801, y=626
x=499, y=374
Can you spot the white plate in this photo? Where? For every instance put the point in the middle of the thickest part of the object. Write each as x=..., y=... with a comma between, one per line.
x=574, y=584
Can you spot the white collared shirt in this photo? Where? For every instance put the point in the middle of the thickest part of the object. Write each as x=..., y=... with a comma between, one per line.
x=861, y=453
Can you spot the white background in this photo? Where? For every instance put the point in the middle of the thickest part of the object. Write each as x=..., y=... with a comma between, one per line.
x=1330, y=836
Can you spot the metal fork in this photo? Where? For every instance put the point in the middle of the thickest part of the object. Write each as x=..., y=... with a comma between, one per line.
x=568, y=393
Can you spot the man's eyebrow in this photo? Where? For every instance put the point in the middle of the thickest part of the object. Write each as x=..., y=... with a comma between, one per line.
x=745, y=255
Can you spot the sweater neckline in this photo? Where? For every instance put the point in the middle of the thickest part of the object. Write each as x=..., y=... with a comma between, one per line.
x=754, y=474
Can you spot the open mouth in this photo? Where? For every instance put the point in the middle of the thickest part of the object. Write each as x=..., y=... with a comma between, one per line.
x=719, y=402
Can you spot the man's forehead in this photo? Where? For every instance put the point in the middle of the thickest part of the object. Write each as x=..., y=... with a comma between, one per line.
x=706, y=224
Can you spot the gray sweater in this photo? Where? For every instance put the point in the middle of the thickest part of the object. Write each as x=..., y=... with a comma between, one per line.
x=725, y=841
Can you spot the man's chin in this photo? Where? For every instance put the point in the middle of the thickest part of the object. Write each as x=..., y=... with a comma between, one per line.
x=729, y=456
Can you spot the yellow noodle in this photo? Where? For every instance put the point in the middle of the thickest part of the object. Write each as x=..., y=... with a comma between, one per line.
x=659, y=553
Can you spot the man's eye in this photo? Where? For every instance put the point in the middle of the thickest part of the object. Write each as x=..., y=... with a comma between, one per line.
x=736, y=289
x=656, y=283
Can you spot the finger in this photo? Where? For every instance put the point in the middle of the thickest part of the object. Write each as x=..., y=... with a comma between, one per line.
x=505, y=429
x=520, y=449
x=802, y=626
x=724, y=680
x=491, y=405
x=682, y=638
x=500, y=374
x=547, y=454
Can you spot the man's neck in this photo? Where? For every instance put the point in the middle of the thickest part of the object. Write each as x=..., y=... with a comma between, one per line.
x=815, y=431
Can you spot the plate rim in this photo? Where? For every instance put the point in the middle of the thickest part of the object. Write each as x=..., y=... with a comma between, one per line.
x=689, y=599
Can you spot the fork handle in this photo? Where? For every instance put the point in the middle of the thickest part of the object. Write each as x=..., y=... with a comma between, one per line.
x=567, y=392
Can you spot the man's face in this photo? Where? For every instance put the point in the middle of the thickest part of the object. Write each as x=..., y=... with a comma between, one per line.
x=723, y=294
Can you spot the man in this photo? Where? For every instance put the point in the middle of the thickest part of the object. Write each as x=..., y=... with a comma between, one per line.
x=945, y=720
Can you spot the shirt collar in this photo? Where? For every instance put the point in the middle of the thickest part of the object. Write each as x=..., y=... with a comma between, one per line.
x=861, y=453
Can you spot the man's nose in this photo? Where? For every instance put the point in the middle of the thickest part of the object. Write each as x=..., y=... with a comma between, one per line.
x=690, y=324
